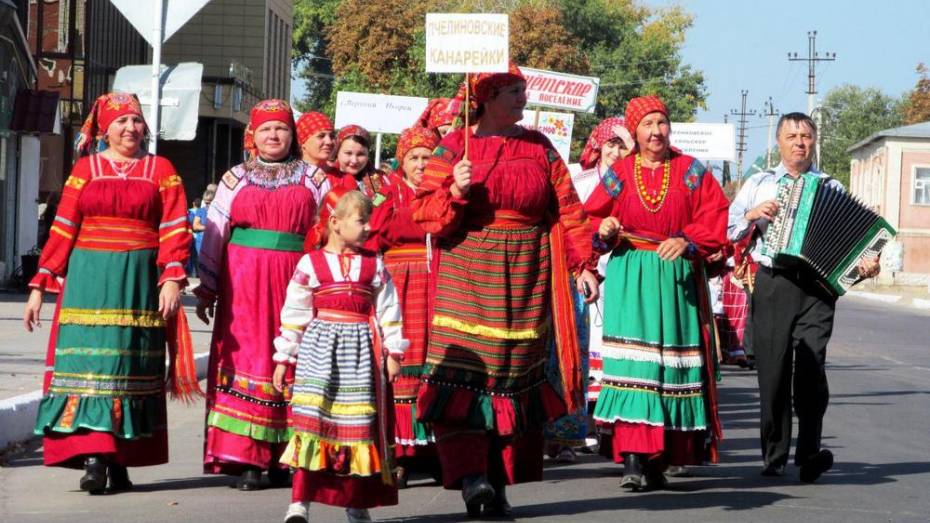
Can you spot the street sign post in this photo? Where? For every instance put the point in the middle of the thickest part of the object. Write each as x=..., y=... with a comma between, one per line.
x=156, y=21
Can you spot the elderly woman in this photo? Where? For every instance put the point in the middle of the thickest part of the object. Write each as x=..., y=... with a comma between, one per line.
x=120, y=237
x=609, y=141
x=406, y=256
x=262, y=211
x=662, y=213
x=511, y=230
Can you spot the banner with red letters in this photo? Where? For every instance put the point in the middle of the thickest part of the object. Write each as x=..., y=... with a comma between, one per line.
x=561, y=90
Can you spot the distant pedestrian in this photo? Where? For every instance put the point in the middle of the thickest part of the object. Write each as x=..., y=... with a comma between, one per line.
x=119, y=240
x=791, y=316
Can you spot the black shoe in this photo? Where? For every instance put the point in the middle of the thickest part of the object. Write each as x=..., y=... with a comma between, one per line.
x=773, y=471
x=476, y=491
x=279, y=478
x=251, y=479
x=632, y=472
x=119, y=478
x=654, y=475
x=94, y=480
x=498, y=507
x=401, y=475
x=816, y=465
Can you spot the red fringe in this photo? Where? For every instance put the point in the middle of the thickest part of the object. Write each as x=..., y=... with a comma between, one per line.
x=182, y=376
x=403, y=421
x=563, y=318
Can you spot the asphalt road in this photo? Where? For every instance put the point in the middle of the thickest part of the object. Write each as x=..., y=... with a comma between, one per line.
x=877, y=425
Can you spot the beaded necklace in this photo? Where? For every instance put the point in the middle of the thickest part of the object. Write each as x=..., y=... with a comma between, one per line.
x=272, y=175
x=651, y=203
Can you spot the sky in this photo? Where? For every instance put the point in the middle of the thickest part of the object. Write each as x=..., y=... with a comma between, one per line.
x=744, y=44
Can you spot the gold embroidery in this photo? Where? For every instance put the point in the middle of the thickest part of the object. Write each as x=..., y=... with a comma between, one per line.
x=120, y=317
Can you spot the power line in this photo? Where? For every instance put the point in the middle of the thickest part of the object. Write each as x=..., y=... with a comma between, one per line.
x=813, y=57
x=742, y=121
x=771, y=112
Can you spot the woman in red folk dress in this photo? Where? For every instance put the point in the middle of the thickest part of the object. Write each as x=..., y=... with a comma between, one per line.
x=317, y=139
x=662, y=213
x=510, y=230
x=407, y=249
x=353, y=158
x=120, y=240
x=257, y=223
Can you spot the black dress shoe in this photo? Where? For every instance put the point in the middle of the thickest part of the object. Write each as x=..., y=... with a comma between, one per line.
x=251, y=479
x=476, y=491
x=498, y=507
x=94, y=480
x=119, y=478
x=632, y=472
x=279, y=478
x=816, y=465
x=400, y=477
x=773, y=471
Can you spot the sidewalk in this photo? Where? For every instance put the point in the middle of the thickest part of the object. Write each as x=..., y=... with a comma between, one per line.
x=22, y=362
x=917, y=297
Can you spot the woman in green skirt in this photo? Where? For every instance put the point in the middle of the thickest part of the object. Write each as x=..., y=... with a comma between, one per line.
x=116, y=253
x=661, y=211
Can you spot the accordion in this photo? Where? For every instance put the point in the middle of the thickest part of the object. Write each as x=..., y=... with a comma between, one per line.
x=824, y=228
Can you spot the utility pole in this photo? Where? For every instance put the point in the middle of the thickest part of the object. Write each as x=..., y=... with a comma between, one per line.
x=771, y=113
x=741, y=143
x=812, y=58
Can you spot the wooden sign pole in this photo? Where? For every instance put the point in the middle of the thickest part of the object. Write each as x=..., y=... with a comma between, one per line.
x=467, y=111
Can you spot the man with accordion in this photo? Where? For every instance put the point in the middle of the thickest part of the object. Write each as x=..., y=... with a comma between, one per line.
x=812, y=241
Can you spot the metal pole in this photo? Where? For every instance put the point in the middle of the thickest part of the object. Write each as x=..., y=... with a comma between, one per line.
x=156, y=73
x=378, y=151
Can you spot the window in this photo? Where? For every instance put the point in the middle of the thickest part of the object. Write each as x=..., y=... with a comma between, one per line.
x=921, y=186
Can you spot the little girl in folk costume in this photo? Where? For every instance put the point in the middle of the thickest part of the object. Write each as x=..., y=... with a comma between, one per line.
x=341, y=327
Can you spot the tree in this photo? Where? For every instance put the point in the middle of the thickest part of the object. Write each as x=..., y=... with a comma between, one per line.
x=917, y=106
x=379, y=46
x=850, y=114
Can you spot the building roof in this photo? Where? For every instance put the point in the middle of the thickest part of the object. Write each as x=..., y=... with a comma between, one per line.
x=917, y=130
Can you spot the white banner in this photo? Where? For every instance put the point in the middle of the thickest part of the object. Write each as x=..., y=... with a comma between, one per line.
x=560, y=90
x=467, y=43
x=378, y=113
x=556, y=126
x=706, y=141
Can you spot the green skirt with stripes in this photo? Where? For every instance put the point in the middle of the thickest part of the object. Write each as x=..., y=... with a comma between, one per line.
x=109, y=361
x=652, y=351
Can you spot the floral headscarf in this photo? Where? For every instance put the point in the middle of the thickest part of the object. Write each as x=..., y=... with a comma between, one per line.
x=107, y=108
x=608, y=129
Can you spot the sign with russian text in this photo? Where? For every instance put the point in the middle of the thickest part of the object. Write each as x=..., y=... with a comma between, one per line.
x=556, y=126
x=378, y=113
x=706, y=141
x=467, y=43
x=560, y=90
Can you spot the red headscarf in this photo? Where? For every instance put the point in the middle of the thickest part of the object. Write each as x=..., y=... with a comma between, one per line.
x=317, y=234
x=605, y=131
x=271, y=110
x=482, y=87
x=436, y=114
x=107, y=108
x=352, y=130
x=311, y=123
x=411, y=139
x=638, y=108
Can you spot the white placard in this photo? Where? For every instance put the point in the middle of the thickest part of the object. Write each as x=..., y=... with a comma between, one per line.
x=562, y=91
x=467, y=43
x=706, y=141
x=556, y=126
x=378, y=113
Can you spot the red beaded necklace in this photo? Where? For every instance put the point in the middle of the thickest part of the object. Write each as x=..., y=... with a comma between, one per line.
x=650, y=202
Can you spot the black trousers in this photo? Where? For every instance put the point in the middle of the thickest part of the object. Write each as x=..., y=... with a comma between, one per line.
x=792, y=319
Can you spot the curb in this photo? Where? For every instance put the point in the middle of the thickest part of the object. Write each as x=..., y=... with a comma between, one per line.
x=917, y=303
x=18, y=414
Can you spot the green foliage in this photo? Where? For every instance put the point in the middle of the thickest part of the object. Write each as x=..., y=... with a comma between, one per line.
x=633, y=48
x=850, y=114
